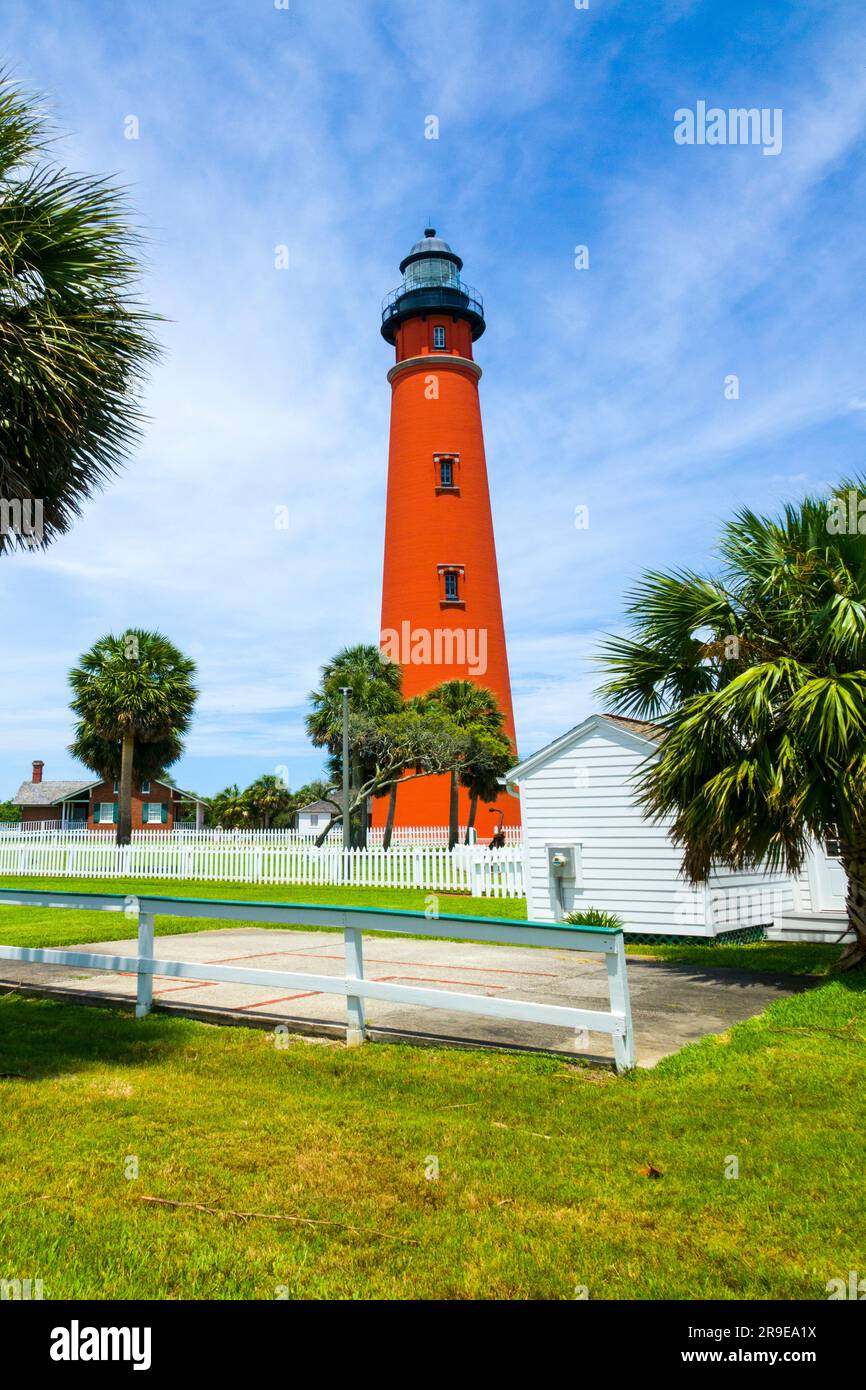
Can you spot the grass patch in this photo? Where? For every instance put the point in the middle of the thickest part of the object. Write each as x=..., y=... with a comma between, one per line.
x=26, y=926
x=541, y=1184
x=791, y=957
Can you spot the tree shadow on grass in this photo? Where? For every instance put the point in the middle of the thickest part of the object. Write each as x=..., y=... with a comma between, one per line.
x=42, y=1038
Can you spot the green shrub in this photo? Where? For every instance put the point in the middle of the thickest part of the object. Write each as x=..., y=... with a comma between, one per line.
x=594, y=917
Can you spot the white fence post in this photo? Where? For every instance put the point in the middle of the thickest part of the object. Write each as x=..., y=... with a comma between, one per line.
x=355, y=1014
x=477, y=889
x=623, y=1043
x=144, y=992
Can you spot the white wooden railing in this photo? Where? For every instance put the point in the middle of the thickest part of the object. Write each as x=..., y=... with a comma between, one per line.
x=467, y=868
x=604, y=941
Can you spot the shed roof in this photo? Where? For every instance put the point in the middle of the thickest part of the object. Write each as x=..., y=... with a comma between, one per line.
x=643, y=729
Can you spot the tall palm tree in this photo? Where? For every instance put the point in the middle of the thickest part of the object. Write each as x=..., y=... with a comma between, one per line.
x=376, y=683
x=470, y=707
x=758, y=679
x=129, y=692
x=74, y=342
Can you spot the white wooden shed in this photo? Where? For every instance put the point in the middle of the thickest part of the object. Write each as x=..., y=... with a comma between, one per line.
x=587, y=843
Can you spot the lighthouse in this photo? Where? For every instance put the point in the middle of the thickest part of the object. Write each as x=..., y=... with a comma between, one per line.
x=441, y=606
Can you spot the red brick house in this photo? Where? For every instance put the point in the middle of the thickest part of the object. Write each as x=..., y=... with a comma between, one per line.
x=69, y=805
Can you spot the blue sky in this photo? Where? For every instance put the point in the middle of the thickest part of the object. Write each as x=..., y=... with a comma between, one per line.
x=261, y=127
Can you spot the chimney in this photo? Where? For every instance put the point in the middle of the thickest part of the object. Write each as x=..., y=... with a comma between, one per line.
x=38, y=765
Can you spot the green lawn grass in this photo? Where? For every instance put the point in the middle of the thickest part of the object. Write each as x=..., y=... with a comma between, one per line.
x=54, y=927
x=542, y=1183
x=26, y=926
x=790, y=957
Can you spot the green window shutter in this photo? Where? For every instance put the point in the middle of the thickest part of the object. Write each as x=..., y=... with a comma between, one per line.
x=165, y=813
x=96, y=806
x=114, y=812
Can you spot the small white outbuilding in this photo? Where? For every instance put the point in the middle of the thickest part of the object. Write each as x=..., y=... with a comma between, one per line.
x=587, y=843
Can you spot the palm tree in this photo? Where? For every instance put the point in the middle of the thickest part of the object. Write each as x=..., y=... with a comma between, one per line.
x=267, y=798
x=134, y=696
x=229, y=809
x=472, y=708
x=74, y=342
x=757, y=677
x=375, y=683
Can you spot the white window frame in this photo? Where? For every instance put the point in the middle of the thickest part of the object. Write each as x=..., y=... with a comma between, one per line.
x=151, y=807
x=106, y=806
x=439, y=332
x=145, y=789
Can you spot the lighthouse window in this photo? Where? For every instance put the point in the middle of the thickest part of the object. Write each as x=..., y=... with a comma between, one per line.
x=439, y=337
x=451, y=593
x=446, y=472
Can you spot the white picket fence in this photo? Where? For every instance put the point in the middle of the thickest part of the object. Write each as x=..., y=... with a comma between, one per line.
x=50, y=831
x=435, y=835
x=467, y=868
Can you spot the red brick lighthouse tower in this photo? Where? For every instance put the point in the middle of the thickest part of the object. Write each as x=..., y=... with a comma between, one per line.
x=441, y=609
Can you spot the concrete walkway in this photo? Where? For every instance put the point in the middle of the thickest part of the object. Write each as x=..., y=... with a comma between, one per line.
x=672, y=1004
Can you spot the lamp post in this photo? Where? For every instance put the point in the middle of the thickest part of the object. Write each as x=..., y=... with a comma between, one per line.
x=346, y=691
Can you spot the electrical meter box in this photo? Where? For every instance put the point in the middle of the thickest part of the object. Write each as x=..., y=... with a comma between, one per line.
x=561, y=861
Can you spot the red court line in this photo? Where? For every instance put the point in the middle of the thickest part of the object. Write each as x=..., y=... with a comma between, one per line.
x=430, y=980
x=283, y=998
x=383, y=979
x=253, y=955
x=372, y=960
x=389, y=960
x=195, y=984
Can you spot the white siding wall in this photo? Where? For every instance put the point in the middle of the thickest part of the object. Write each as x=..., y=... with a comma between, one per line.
x=585, y=796
x=804, y=892
x=749, y=899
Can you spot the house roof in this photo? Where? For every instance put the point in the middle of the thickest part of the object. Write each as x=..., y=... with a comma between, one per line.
x=317, y=806
x=184, y=796
x=50, y=793
x=642, y=729
x=47, y=793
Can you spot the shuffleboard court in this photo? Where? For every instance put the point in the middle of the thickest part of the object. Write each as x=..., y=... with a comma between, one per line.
x=672, y=1004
